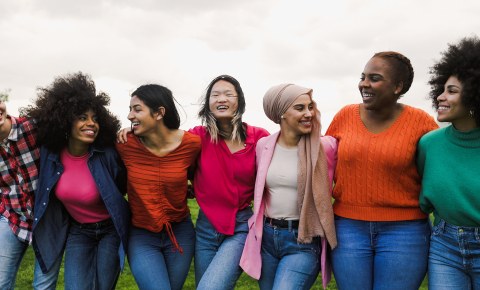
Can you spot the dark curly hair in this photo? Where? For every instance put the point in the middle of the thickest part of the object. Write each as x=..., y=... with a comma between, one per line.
x=401, y=67
x=461, y=60
x=60, y=103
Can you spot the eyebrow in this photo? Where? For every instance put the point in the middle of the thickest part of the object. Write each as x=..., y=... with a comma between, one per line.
x=311, y=103
x=453, y=86
x=221, y=91
x=137, y=105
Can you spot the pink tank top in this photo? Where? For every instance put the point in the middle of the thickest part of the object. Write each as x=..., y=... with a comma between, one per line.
x=77, y=190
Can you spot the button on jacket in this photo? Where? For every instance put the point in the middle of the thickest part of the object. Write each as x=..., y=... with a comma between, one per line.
x=51, y=219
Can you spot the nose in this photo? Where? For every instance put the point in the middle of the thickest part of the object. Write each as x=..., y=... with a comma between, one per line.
x=308, y=114
x=130, y=116
x=90, y=122
x=441, y=97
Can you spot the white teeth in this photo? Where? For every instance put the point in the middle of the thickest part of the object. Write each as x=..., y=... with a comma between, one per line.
x=443, y=108
x=89, y=132
x=222, y=107
x=305, y=123
x=367, y=95
x=135, y=123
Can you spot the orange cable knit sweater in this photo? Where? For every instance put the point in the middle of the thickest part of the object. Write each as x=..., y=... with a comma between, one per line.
x=376, y=177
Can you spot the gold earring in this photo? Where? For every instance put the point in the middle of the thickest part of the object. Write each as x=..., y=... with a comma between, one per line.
x=472, y=113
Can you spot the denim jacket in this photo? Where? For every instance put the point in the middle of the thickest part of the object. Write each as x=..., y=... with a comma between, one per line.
x=51, y=219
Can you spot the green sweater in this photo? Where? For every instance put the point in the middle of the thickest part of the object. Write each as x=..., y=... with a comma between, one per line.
x=449, y=163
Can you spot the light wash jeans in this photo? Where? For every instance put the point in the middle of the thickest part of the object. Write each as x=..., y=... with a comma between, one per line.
x=390, y=255
x=286, y=264
x=217, y=256
x=153, y=263
x=12, y=251
x=454, y=260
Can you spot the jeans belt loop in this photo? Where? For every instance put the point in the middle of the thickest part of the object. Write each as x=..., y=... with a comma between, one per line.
x=442, y=226
x=477, y=236
x=289, y=226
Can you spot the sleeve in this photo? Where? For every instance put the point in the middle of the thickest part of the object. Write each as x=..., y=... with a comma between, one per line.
x=425, y=204
x=333, y=128
x=430, y=124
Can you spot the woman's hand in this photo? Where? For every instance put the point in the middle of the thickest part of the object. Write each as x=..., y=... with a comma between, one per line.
x=122, y=135
x=190, y=192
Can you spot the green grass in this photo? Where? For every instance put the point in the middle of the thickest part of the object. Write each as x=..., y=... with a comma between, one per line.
x=126, y=281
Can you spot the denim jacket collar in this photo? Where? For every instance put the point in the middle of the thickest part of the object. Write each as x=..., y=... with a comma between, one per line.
x=55, y=157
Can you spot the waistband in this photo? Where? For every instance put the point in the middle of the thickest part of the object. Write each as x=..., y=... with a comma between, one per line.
x=457, y=230
x=96, y=225
x=287, y=224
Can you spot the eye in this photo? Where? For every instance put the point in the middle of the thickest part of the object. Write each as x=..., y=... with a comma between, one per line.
x=362, y=78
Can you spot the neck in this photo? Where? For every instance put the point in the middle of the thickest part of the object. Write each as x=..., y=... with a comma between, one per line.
x=466, y=124
x=288, y=139
x=77, y=149
x=385, y=114
x=5, y=128
x=160, y=138
x=225, y=126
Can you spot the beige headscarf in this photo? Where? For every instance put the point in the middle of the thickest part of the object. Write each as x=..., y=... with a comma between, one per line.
x=314, y=199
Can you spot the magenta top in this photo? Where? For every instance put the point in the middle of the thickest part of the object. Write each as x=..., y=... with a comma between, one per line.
x=224, y=182
x=77, y=190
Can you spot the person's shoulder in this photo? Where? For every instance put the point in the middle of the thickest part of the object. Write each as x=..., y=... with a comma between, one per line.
x=132, y=142
x=257, y=132
x=198, y=130
x=193, y=139
x=433, y=136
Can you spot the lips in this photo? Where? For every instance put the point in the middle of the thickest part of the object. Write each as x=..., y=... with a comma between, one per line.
x=221, y=108
x=367, y=96
x=89, y=132
x=443, y=108
x=135, y=125
x=306, y=123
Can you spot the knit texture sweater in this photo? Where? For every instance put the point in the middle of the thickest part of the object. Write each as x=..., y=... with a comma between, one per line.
x=376, y=177
x=449, y=162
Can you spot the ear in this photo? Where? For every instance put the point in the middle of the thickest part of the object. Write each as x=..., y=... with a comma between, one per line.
x=398, y=88
x=161, y=113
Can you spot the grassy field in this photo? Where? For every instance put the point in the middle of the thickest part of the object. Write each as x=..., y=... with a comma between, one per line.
x=126, y=281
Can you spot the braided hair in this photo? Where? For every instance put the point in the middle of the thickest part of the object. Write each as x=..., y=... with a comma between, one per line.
x=401, y=68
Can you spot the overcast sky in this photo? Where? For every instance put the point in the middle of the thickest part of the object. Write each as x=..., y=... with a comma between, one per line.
x=182, y=45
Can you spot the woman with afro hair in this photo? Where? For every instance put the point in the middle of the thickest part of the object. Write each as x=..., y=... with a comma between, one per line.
x=449, y=162
x=78, y=207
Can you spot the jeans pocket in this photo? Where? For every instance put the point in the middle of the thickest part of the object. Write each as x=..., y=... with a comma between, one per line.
x=437, y=230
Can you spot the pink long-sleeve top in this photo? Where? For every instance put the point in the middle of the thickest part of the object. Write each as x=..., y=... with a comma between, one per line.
x=224, y=182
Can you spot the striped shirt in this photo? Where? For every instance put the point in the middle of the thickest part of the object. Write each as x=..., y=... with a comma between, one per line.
x=20, y=160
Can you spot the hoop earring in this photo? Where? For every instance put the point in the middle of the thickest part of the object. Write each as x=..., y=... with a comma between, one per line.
x=472, y=113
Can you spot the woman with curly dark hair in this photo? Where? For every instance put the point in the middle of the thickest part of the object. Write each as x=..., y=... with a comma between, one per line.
x=383, y=236
x=78, y=206
x=449, y=162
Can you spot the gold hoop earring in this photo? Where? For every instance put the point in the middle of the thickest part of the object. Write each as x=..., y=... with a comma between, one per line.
x=472, y=113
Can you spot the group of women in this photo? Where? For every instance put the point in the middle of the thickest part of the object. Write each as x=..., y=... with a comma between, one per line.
x=388, y=163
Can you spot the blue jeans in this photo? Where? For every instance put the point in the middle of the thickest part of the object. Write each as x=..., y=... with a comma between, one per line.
x=454, y=261
x=152, y=260
x=217, y=255
x=286, y=264
x=12, y=251
x=91, y=256
x=380, y=255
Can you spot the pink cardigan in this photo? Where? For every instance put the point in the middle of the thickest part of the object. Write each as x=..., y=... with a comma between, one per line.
x=224, y=182
x=251, y=260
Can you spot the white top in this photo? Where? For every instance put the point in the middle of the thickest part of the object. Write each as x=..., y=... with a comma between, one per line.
x=281, y=200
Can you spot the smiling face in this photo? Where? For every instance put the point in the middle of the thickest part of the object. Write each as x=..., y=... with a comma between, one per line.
x=84, y=128
x=450, y=107
x=143, y=121
x=223, y=100
x=377, y=86
x=298, y=117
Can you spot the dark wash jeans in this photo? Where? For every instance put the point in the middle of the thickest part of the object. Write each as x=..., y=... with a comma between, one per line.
x=380, y=255
x=153, y=263
x=91, y=256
